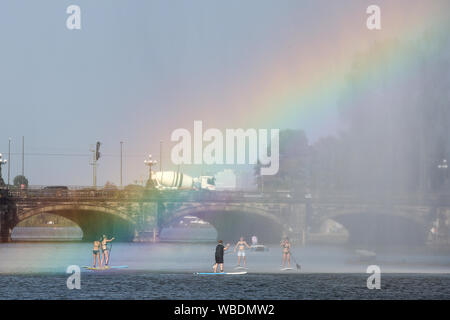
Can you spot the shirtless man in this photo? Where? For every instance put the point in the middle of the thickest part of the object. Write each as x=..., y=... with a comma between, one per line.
x=96, y=253
x=220, y=249
x=241, y=252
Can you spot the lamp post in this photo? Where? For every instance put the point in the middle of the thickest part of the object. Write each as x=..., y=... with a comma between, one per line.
x=150, y=162
x=23, y=156
x=2, y=162
x=160, y=155
x=443, y=166
x=9, y=159
x=121, y=147
x=441, y=233
x=308, y=214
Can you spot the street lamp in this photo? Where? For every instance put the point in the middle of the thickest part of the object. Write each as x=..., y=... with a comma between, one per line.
x=160, y=155
x=9, y=158
x=2, y=162
x=443, y=166
x=150, y=162
x=121, y=149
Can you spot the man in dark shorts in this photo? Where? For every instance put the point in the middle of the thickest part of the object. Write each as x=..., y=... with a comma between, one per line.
x=96, y=254
x=220, y=249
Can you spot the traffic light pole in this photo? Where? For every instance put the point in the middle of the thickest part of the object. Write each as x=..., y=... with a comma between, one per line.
x=94, y=166
x=95, y=158
x=94, y=169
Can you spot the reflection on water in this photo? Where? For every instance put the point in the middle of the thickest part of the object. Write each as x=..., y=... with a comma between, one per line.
x=203, y=234
x=188, y=234
x=46, y=234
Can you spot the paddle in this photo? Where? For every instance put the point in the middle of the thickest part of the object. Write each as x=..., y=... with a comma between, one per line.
x=296, y=264
x=109, y=254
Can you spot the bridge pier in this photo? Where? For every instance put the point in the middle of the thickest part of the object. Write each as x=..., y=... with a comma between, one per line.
x=147, y=219
x=294, y=217
x=441, y=226
x=8, y=216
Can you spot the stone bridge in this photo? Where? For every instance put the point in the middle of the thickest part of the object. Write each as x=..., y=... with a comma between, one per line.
x=137, y=215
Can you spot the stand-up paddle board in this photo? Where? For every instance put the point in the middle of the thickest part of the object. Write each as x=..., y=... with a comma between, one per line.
x=104, y=268
x=240, y=268
x=219, y=273
x=286, y=269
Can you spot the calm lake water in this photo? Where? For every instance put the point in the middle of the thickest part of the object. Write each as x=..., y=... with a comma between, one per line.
x=165, y=271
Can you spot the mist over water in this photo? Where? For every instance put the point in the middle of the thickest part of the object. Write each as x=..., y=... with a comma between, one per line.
x=189, y=258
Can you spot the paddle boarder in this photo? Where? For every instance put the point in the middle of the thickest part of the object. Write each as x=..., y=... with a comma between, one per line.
x=105, y=250
x=286, y=245
x=241, y=252
x=220, y=250
x=96, y=253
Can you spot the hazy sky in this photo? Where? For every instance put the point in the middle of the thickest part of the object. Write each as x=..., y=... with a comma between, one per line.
x=137, y=70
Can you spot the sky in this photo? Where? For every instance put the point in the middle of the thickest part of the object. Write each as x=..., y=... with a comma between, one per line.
x=138, y=70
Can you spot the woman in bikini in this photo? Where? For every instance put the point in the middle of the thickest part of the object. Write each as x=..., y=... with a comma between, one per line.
x=285, y=244
x=241, y=252
x=105, y=250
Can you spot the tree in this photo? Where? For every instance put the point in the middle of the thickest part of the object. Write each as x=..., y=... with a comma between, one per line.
x=20, y=180
x=110, y=186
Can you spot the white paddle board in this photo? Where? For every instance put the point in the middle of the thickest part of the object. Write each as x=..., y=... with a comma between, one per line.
x=240, y=268
x=220, y=273
x=286, y=269
x=104, y=268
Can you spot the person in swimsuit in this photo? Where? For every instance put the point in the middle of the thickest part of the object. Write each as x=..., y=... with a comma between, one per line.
x=105, y=250
x=220, y=249
x=96, y=253
x=286, y=252
x=241, y=252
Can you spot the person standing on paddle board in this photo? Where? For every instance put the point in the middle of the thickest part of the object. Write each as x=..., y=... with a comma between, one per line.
x=285, y=244
x=220, y=251
x=241, y=252
x=105, y=250
x=96, y=253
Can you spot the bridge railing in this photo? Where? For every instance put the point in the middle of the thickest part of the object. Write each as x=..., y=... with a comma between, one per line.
x=84, y=193
x=37, y=193
x=31, y=194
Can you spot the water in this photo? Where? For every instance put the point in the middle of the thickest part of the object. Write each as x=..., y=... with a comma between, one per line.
x=204, y=234
x=46, y=233
x=165, y=271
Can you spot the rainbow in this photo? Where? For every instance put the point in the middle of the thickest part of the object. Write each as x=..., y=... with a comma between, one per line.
x=305, y=94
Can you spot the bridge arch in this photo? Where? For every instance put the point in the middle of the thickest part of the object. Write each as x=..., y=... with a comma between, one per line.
x=94, y=220
x=384, y=226
x=232, y=221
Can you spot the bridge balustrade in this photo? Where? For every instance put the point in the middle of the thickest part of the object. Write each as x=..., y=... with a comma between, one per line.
x=84, y=193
